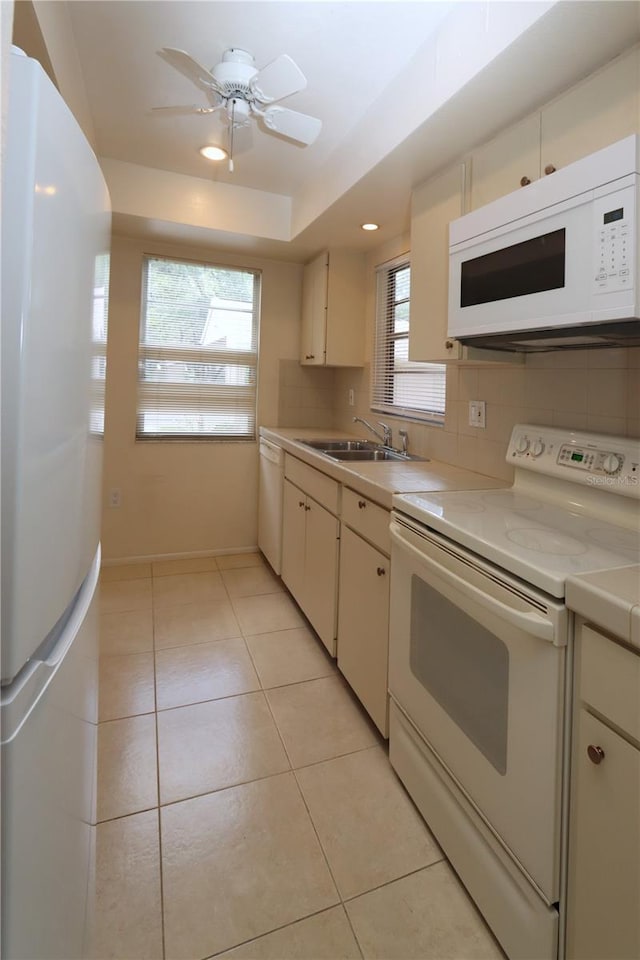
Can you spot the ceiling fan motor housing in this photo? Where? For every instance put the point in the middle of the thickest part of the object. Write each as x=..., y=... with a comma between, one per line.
x=234, y=73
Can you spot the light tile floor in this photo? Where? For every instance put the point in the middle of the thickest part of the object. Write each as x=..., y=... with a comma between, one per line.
x=246, y=804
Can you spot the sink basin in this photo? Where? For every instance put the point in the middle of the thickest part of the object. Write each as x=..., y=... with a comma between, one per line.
x=372, y=455
x=356, y=450
x=325, y=445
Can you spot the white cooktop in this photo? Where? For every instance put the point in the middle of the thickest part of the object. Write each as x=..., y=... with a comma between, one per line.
x=560, y=523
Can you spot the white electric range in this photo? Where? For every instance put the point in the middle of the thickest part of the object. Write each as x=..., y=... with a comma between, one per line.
x=480, y=656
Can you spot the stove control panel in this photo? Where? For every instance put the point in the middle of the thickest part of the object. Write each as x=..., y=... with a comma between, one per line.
x=598, y=460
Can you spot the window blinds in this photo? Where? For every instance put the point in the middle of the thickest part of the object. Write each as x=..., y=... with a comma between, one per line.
x=399, y=385
x=197, y=363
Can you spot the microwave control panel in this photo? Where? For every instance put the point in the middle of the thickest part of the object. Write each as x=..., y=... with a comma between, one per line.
x=614, y=216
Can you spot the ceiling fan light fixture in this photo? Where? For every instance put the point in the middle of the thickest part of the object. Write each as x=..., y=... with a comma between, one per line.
x=370, y=226
x=212, y=152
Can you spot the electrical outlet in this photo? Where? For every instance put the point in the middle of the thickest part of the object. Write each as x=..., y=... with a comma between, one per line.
x=477, y=413
x=115, y=497
x=352, y=397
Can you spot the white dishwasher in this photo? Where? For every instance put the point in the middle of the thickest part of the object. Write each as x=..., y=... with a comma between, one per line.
x=270, y=502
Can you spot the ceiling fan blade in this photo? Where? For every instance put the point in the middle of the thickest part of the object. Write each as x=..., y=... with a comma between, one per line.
x=278, y=79
x=290, y=123
x=186, y=109
x=188, y=67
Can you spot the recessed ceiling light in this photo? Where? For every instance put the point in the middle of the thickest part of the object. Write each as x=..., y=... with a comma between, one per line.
x=213, y=153
x=370, y=226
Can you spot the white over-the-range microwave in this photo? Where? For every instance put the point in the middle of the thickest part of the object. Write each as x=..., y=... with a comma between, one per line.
x=554, y=264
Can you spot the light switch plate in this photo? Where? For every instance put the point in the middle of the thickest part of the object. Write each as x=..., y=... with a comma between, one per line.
x=477, y=413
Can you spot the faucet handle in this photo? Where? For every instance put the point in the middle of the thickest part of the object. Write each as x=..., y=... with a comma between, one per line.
x=404, y=440
x=387, y=433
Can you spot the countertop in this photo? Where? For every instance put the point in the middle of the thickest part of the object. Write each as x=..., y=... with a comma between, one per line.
x=378, y=480
x=609, y=599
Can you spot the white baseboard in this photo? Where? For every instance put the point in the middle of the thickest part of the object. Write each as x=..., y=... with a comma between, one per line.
x=227, y=551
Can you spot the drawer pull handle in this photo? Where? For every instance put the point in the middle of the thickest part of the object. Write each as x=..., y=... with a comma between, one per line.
x=381, y=571
x=362, y=504
x=595, y=754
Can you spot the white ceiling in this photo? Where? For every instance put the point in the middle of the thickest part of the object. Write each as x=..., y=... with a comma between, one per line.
x=372, y=70
x=349, y=53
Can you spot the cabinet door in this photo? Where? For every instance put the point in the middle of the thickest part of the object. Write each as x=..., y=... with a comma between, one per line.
x=321, y=572
x=433, y=206
x=314, y=312
x=498, y=167
x=345, y=309
x=293, y=530
x=363, y=624
x=604, y=858
x=590, y=116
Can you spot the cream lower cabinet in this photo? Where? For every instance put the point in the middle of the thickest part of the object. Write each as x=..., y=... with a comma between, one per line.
x=363, y=605
x=310, y=538
x=603, y=909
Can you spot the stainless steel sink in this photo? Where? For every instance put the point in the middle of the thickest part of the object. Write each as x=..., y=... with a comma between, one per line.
x=326, y=445
x=371, y=455
x=356, y=450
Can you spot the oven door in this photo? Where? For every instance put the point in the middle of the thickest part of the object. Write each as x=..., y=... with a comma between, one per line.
x=476, y=662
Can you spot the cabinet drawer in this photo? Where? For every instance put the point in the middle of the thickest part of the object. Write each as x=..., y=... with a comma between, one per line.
x=317, y=485
x=367, y=519
x=610, y=680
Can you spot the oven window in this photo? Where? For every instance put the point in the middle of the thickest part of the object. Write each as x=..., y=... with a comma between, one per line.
x=529, y=267
x=464, y=667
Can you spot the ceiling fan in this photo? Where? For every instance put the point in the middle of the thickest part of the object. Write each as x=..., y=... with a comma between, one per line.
x=237, y=88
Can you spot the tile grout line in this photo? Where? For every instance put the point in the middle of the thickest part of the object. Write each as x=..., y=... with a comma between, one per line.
x=155, y=700
x=311, y=821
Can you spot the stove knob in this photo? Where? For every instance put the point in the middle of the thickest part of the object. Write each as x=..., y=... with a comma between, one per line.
x=537, y=448
x=522, y=445
x=611, y=463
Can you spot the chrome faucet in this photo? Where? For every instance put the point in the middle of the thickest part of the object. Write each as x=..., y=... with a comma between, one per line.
x=384, y=437
x=404, y=440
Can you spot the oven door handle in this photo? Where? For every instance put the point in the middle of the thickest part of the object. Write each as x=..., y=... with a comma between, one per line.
x=529, y=622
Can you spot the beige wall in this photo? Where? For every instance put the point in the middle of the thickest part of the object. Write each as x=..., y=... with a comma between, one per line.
x=185, y=498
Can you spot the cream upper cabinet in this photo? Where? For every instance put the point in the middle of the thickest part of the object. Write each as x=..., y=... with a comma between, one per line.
x=433, y=205
x=501, y=166
x=600, y=110
x=591, y=115
x=333, y=310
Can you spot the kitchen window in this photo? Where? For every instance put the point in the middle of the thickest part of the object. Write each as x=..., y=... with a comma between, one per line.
x=197, y=361
x=401, y=386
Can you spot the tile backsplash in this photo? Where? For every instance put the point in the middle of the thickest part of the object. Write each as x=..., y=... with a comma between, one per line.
x=306, y=395
x=597, y=390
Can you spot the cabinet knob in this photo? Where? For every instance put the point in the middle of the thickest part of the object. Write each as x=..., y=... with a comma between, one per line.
x=595, y=754
x=449, y=344
x=524, y=181
x=309, y=356
x=301, y=503
x=307, y=507
x=362, y=504
x=549, y=169
x=381, y=571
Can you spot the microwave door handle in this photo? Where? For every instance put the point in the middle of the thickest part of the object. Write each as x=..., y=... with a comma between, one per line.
x=529, y=622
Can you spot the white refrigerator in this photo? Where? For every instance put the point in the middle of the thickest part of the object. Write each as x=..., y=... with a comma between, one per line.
x=55, y=246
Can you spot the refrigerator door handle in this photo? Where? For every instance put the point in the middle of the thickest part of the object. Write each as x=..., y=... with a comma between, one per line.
x=20, y=697
x=57, y=653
